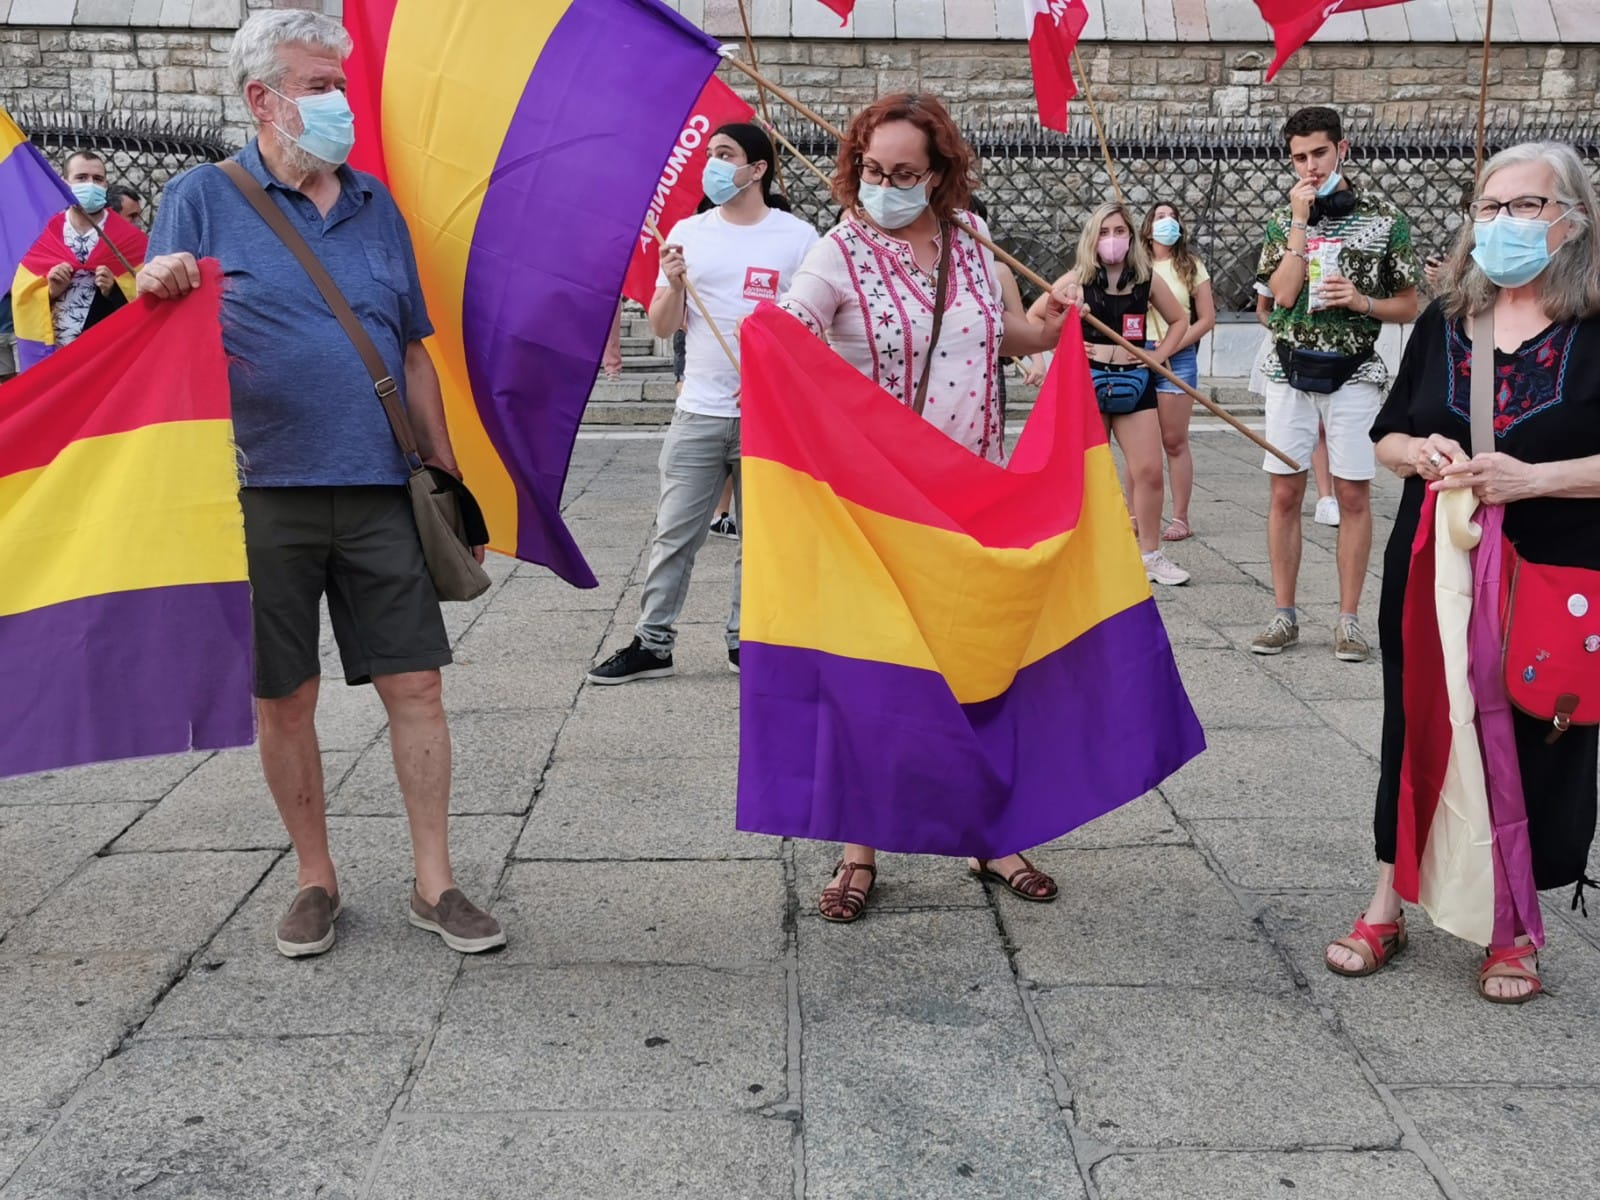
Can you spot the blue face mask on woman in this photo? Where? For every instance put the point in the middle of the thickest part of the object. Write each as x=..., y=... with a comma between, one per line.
x=1166, y=231
x=892, y=207
x=717, y=180
x=1511, y=251
x=328, y=127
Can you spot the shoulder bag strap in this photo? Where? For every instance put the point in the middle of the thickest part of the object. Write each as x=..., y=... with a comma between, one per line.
x=382, y=382
x=947, y=235
x=1482, y=388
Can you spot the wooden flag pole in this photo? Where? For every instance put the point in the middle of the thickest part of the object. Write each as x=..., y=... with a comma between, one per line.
x=761, y=96
x=1094, y=115
x=1483, y=92
x=699, y=304
x=1038, y=281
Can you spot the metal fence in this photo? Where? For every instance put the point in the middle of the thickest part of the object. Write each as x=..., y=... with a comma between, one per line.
x=1225, y=177
x=140, y=154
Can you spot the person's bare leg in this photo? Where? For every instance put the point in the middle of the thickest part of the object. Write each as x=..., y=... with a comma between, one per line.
x=1176, y=410
x=1319, y=466
x=292, y=765
x=1139, y=435
x=1382, y=909
x=1284, y=536
x=419, y=739
x=1355, y=540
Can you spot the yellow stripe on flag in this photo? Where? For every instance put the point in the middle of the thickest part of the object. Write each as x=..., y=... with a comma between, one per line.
x=826, y=574
x=441, y=125
x=155, y=507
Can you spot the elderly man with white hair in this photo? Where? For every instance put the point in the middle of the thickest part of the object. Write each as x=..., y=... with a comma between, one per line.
x=325, y=506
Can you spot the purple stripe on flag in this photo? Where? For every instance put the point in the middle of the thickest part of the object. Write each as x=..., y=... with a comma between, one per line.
x=563, y=209
x=30, y=194
x=849, y=750
x=124, y=675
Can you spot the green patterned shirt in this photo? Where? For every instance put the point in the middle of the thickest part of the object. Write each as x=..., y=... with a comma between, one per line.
x=1376, y=255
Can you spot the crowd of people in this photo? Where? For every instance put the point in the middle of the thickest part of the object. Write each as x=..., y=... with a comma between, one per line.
x=905, y=290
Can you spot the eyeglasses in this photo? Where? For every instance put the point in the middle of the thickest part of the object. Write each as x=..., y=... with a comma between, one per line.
x=901, y=180
x=1525, y=207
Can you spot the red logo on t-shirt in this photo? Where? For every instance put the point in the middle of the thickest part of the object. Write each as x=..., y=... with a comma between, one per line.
x=1133, y=326
x=760, y=283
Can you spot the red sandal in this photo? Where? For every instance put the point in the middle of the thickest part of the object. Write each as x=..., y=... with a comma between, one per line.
x=1376, y=945
x=841, y=903
x=1509, y=962
x=1020, y=882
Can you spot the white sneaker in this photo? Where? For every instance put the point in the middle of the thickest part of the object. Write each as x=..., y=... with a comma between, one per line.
x=1158, y=568
x=1327, y=511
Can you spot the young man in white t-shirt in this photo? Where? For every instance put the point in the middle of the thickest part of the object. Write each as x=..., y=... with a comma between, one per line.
x=737, y=254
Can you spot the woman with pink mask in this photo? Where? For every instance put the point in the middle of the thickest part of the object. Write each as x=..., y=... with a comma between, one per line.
x=1119, y=289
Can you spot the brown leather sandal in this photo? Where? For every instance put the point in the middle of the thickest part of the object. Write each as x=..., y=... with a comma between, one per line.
x=1022, y=882
x=1510, y=962
x=1375, y=945
x=841, y=903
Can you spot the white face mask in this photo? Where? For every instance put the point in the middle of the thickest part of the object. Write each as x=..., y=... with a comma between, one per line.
x=892, y=207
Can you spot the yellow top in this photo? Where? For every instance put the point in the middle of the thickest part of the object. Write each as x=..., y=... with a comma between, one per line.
x=1168, y=270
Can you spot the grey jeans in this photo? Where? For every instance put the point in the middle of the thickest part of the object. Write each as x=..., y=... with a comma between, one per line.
x=699, y=454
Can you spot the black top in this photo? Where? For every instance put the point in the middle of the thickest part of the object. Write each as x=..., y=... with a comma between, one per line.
x=1547, y=409
x=1113, y=308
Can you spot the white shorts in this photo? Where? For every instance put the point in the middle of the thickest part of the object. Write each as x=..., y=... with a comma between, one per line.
x=1347, y=416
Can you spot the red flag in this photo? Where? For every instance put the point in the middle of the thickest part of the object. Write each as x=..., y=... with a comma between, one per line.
x=1294, y=21
x=842, y=7
x=679, y=192
x=1057, y=25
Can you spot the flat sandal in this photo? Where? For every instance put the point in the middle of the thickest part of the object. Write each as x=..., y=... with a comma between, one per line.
x=852, y=901
x=1019, y=881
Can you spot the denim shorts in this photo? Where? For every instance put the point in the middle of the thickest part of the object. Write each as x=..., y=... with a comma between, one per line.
x=1185, y=364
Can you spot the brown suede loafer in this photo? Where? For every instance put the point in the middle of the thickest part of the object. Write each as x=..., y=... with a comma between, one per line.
x=461, y=923
x=307, y=928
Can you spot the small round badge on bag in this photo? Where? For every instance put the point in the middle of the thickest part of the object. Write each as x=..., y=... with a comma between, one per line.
x=1578, y=605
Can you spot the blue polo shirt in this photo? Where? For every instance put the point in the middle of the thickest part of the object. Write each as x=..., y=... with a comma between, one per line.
x=304, y=412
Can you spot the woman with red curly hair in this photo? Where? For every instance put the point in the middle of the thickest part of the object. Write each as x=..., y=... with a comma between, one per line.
x=904, y=179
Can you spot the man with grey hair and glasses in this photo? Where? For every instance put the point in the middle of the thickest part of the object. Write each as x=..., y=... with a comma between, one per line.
x=323, y=480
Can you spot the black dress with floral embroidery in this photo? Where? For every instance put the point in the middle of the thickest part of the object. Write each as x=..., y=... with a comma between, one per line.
x=1547, y=409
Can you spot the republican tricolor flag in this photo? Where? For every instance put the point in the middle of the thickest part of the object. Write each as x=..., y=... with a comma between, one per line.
x=939, y=655
x=1294, y=22
x=1057, y=25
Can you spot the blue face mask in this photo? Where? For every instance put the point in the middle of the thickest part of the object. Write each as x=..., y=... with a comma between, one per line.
x=91, y=197
x=328, y=127
x=892, y=207
x=717, y=180
x=1511, y=251
x=1331, y=184
x=1166, y=231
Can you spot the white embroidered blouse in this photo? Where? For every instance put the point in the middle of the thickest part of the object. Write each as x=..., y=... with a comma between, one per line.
x=864, y=290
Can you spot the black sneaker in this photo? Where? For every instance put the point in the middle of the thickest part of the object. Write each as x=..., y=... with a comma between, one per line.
x=724, y=526
x=733, y=659
x=632, y=662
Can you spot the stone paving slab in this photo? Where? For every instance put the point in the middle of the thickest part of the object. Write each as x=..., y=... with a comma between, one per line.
x=1270, y=854
x=1503, y=1141
x=43, y=845
x=622, y=1154
x=905, y=881
x=225, y=805
x=20, y=1132
x=920, y=1071
x=137, y=780
x=534, y=1039
x=1147, y=821
x=1309, y=1175
x=385, y=976
x=1139, y=916
x=222, y=1118
x=1272, y=774
x=1171, y=1067
x=644, y=912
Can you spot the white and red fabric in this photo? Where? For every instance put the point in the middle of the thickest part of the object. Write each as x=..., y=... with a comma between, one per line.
x=1053, y=35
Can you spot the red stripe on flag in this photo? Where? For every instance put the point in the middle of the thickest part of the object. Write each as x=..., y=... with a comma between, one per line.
x=842, y=7
x=1295, y=22
x=368, y=22
x=119, y=376
x=1057, y=26
x=679, y=193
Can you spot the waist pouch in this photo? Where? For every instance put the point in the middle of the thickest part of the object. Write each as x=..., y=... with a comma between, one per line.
x=1118, y=390
x=1320, y=371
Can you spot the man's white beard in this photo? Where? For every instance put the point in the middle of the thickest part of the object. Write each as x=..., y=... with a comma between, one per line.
x=297, y=161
